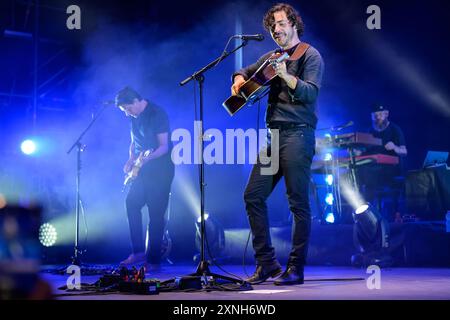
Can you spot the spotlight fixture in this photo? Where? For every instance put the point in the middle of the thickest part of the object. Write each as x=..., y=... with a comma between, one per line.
x=328, y=157
x=214, y=235
x=329, y=218
x=28, y=147
x=329, y=179
x=371, y=237
x=329, y=199
x=47, y=235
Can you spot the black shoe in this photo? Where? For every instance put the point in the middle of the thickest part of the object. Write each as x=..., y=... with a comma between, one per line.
x=263, y=273
x=292, y=275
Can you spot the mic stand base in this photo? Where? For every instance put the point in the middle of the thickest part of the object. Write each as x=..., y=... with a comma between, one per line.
x=209, y=278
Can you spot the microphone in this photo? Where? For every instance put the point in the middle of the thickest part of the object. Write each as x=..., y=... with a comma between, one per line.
x=257, y=37
x=339, y=128
x=349, y=124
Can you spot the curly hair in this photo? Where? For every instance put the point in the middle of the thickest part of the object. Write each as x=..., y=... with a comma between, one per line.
x=293, y=17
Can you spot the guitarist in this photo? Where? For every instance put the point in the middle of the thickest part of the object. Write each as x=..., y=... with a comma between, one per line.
x=291, y=110
x=149, y=132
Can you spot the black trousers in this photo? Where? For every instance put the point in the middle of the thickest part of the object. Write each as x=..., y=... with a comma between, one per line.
x=296, y=150
x=151, y=188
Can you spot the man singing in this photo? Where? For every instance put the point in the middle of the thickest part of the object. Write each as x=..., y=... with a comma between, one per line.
x=291, y=110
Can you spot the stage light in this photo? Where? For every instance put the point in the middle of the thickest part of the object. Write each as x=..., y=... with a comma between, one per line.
x=328, y=157
x=28, y=147
x=206, y=216
x=214, y=235
x=329, y=179
x=351, y=195
x=371, y=237
x=329, y=199
x=47, y=235
x=329, y=217
x=361, y=209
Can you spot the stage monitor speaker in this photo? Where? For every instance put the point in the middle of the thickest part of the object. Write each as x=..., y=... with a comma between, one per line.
x=428, y=193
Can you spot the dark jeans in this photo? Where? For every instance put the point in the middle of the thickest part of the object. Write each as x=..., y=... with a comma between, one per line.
x=296, y=150
x=151, y=188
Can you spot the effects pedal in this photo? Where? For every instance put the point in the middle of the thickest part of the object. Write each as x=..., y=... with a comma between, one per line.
x=130, y=281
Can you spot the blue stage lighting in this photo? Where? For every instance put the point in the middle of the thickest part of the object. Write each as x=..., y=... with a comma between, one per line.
x=328, y=157
x=329, y=199
x=329, y=179
x=28, y=147
x=214, y=236
x=205, y=216
x=371, y=237
x=329, y=217
x=47, y=235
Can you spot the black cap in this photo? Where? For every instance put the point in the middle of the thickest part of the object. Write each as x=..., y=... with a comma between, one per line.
x=126, y=96
x=379, y=107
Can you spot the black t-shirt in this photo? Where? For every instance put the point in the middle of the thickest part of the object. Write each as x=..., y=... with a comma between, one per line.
x=293, y=105
x=146, y=127
x=391, y=133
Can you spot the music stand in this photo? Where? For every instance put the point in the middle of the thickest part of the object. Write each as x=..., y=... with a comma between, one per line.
x=203, y=266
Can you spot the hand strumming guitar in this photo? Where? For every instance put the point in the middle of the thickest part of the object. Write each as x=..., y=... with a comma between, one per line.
x=136, y=165
x=238, y=82
x=129, y=165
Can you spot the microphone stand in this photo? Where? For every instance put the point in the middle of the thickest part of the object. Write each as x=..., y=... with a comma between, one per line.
x=76, y=259
x=203, y=266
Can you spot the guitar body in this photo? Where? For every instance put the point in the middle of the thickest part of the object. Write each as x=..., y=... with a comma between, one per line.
x=258, y=85
x=134, y=172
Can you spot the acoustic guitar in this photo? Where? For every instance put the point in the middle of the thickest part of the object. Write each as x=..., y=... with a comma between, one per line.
x=258, y=85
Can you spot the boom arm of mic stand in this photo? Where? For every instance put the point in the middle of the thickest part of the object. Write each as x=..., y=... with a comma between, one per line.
x=212, y=64
x=78, y=141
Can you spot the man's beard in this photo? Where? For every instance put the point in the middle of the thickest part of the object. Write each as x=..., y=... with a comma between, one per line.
x=380, y=126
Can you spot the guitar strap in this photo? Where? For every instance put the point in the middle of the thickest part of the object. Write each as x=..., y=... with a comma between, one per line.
x=299, y=51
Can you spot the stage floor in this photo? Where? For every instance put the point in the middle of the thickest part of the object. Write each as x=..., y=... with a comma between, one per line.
x=321, y=283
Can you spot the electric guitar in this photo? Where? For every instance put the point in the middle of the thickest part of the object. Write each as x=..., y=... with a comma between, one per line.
x=137, y=165
x=258, y=85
